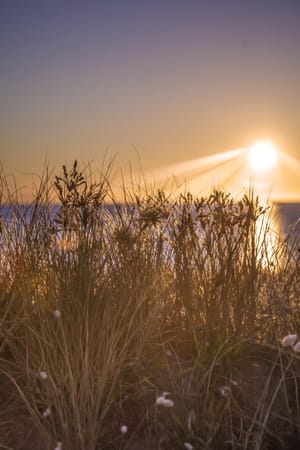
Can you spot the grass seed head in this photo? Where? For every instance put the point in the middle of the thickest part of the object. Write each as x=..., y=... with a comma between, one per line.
x=47, y=412
x=57, y=314
x=163, y=401
x=123, y=429
x=43, y=375
x=296, y=348
x=224, y=391
x=289, y=340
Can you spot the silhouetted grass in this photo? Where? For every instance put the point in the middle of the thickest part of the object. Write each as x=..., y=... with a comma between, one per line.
x=155, y=324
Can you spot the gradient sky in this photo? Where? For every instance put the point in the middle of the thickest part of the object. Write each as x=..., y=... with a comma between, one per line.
x=170, y=80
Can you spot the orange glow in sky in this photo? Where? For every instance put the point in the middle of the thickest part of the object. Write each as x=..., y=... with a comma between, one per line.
x=271, y=173
x=174, y=82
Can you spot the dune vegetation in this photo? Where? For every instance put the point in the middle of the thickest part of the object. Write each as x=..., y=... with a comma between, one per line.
x=162, y=322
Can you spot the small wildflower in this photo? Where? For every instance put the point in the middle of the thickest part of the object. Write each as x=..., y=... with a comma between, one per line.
x=47, y=412
x=168, y=353
x=188, y=446
x=58, y=446
x=124, y=429
x=43, y=375
x=289, y=340
x=57, y=314
x=296, y=348
x=224, y=391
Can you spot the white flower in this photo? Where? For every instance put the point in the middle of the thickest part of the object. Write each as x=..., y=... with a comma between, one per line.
x=124, y=429
x=296, y=348
x=163, y=401
x=289, y=340
x=57, y=313
x=43, y=375
x=47, y=412
x=58, y=446
x=188, y=446
x=168, y=353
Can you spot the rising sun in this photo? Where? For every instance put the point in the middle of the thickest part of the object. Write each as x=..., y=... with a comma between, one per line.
x=263, y=155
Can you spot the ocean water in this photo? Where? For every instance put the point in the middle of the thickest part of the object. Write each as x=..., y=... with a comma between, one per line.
x=286, y=216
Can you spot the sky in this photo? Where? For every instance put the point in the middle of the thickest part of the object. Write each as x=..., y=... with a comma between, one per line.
x=160, y=81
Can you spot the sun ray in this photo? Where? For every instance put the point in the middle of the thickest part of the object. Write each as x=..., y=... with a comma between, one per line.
x=270, y=172
x=193, y=165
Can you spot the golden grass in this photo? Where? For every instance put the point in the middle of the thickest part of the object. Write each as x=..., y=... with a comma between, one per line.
x=105, y=309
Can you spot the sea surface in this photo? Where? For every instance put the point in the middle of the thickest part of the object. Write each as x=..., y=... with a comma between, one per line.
x=286, y=216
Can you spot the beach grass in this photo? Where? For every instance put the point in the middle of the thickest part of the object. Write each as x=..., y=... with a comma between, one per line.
x=157, y=322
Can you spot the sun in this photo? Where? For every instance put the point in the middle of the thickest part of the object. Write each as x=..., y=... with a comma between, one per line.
x=262, y=155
